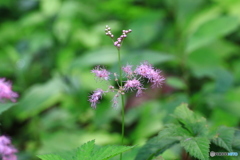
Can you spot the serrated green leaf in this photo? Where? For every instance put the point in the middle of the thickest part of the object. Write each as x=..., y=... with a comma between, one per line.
x=224, y=138
x=173, y=130
x=86, y=150
x=197, y=147
x=106, y=152
x=5, y=106
x=50, y=157
x=154, y=147
x=195, y=124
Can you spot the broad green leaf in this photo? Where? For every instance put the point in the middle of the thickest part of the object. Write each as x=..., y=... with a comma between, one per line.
x=89, y=151
x=50, y=157
x=106, y=152
x=195, y=124
x=154, y=147
x=197, y=147
x=176, y=82
x=97, y=57
x=86, y=150
x=224, y=137
x=148, y=126
x=175, y=131
x=144, y=33
x=153, y=57
x=49, y=8
x=39, y=97
x=204, y=62
x=211, y=30
x=130, y=155
x=5, y=106
x=232, y=101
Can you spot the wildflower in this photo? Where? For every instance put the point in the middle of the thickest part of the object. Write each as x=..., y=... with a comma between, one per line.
x=101, y=73
x=153, y=75
x=94, y=98
x=134, y=84
x=7, y=150
x=6, y=91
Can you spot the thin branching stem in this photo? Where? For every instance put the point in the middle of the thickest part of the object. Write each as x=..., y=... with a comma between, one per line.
x=122, y=97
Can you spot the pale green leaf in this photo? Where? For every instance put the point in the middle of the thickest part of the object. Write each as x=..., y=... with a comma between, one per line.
x=39, y=97
x=50, y=157
x=224, y=137
x=197, y=147
x=154, y=147
x=109, y=151
x=195, y=124
x=211, y=30
x=5, y=106
x=176, y=82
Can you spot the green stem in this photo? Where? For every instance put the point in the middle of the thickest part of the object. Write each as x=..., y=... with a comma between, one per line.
x=122, y=98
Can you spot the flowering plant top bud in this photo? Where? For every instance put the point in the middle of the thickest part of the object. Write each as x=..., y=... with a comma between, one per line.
x=120, y=39
x=6, y=91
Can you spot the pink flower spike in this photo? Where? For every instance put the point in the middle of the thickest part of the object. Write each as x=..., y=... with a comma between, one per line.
x=101, y=73
x=95, y=97
x=6, y=91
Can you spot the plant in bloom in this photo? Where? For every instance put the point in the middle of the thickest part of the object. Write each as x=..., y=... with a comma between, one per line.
x=133, y=81
x=7, y=150
x=134, y=78
x=6, y=91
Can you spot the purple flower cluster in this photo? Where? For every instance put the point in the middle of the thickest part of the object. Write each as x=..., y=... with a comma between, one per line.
x=133, y=82
x=6, y=91
x=153, y=75
x=7, y=150
x=101, y=73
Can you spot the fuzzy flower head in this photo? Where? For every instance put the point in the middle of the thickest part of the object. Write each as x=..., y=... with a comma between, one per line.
x=101, y=73
x=7, y=150
x=95, y=97
x=6, y=91
x=153, y=75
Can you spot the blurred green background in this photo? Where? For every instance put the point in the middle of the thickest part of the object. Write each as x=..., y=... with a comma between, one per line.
x=48, y=47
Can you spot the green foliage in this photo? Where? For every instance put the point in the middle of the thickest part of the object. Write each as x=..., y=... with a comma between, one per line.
x=191, y=132
x=197, y=147
x=224, y=137
x=47, y=49
x=154, y=147
x=88, y=151
x=5, y=106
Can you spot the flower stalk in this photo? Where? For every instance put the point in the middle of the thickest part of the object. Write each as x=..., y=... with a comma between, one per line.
x=133, y=78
